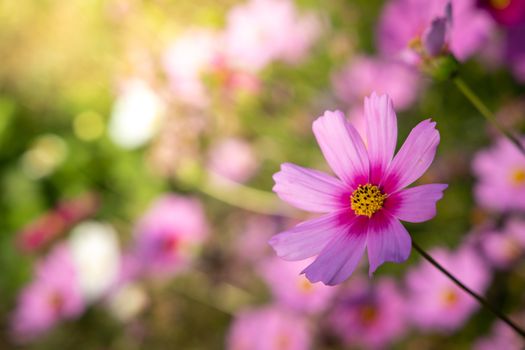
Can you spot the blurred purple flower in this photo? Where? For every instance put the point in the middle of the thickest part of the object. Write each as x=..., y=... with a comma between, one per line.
x=504, y=248
x=52, y=296
x=404, y=22
x=370, y=316
x=292, y=289
x=501, y=337
x=169, y=234
x=233, y=159
x=363, y=75
x=259, y=32
x=366, y=201
x=435, y=301
x=501, y=177
x=505, y=12
x=268, y=328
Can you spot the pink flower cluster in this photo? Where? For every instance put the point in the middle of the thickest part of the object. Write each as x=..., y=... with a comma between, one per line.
x=257, y=33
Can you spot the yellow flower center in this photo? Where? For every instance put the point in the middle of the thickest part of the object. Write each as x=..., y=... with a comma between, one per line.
x=518, y=176
x=500, y=4
x=449, y=297
x=366, y=200
x=368, y=314
x=305, y=286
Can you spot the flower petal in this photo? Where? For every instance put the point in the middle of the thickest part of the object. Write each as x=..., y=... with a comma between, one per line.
x=342, y=148
x=414, y=157
x=310, y=189
x=387, y=240
x=340, y=257
x=416, y=204
x=308, y=238
x=381, y=133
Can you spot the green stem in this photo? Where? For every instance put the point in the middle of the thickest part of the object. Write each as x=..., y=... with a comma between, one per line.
x=476, y=296
x=485, y=112
x=244, y=197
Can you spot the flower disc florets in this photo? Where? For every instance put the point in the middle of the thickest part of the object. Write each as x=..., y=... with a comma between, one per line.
x=367, y=199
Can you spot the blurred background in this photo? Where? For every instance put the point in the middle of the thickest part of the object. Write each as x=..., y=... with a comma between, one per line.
x=138, y=140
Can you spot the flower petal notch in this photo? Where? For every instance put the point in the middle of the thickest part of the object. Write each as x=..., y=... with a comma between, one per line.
x=363, y=205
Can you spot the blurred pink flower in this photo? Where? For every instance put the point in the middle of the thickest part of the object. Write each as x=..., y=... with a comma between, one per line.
x=370, y=315
x=259, y=32
x=501, y=337
x=251, y=244
x=50, y=225
x=501, y=177
x=504, y=248
x=199, y=54
x=366, y=200
x=364, y=75
x=186, y=60
x=292, y=289
x=170, y=233
x=52, y=296
x=233, y=159
x=435, y=301
x=268, y=328
x=506, y=12
x=404, y=22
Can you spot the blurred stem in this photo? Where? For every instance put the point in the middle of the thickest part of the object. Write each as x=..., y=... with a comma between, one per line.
x=244, y=197
x=476, y=296
x=485, y=111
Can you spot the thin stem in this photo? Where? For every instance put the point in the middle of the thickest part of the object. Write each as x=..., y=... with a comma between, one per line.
x=485, y=112
x=476, y=296
x=244, y=197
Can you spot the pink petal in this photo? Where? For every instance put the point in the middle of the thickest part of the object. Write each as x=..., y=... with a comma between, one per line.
x=342, y=147
x=340, y=257
x=310, y=237
x=387, y=240
x=416, y=204
x=414, y=157
x=310, y=189
x=381, y=133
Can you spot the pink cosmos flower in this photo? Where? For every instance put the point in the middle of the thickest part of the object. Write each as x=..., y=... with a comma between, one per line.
x=501, y=337
x=259, y=32
x=435, y=301
x=268, y=328
x=366, y=201
x=404, y=23
x=501, y=177
x=504, y=248
x=370, y=316
x=363, y=75
x=52, y=296
x=292, y=289
x=170, y=234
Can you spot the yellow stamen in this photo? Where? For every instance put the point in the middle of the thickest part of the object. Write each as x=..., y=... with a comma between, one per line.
x=305, y=286
x=518, y=177
x=367, y=200
x=450, y=297
x=368, y=314
x=500, y=4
